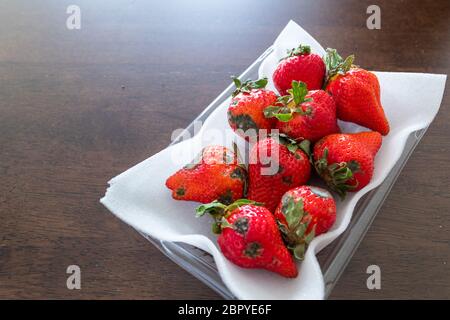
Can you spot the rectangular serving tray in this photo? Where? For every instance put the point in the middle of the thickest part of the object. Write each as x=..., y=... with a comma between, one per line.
x=333, y=259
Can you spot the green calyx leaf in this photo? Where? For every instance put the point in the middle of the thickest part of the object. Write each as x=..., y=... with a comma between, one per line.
x=295, y=233
x=293, y=145
x=305, y=145
x=293, y=211
x=298, y=92
x=283, y=117
x=289, y=104
x=214, y=208
x=248, y=85
x=220, y=211
x=216, y=228
x=335, y=64
x=220, y=224
x=299, y=251
x=310, y=236
x=240, y=203
x=279, y=112
x=225, y=224
x=300, y=50
x=336, y=175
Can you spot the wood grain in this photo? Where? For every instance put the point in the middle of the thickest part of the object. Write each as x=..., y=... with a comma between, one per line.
x=78, y=107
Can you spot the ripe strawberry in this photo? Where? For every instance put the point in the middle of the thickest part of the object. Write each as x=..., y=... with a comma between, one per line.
x=356, y=92
x=249, y=237
x=345, y=161
x=303, y=213
x=245, y=113
x=300, y=65
x=214, y=174
x=275, y=166
x=304, y=115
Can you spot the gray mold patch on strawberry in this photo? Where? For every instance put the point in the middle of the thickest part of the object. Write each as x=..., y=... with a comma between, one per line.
x=241, y=225
x=320, y=192
x=285, y=200
x=242, y=121
x=354, y=166
x=241, y=174
x=238, y=173
x=280, y=169
x=287, y=180
x=226, y=198
x=297, y=156
x=180, y=191
x=253, y=250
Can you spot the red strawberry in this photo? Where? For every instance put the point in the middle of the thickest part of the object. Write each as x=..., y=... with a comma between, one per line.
x=275, y=166
x=245, y=113
x=345, y=161
x=356, y=92
x=303, y=213
x=299, y=65
x=215, y=174
x=304, y=115
x=249, y=237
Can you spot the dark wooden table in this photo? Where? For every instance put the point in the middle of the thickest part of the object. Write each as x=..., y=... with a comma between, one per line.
x=77, y=107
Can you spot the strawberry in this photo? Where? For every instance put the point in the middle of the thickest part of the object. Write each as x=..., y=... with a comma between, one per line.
x=245, y=113
x=275, y=166
x=249, y=236
x=303, y=213
x=302, y=115
x=345, y=161
x=214, y=174
x=300, y=65
x=356, y=92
